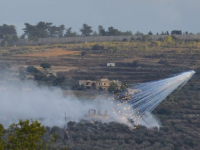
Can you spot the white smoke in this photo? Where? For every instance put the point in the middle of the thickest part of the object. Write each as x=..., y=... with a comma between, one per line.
x=26, y=100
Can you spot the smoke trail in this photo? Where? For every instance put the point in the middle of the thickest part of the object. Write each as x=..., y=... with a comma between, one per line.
x=145, y=97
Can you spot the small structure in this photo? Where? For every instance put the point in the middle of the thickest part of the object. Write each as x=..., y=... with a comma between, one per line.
x=103, y=83
x=92, y=114
x=110, y=64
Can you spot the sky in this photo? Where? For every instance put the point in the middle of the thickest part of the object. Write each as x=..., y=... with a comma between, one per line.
x=124, y=15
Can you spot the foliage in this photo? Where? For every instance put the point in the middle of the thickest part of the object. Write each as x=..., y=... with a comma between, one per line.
x=157, y=43
x=43, y=30
x=150, y=33
x=124, y=40
x=69, y=33
x=26, y=135
x=113, y=87
x=113, y=32
x=2, y=141
x=32, y=69
x=168, y=40
x=143, y=48
x=7, y=30
x=8, y=34
x=86, y=30
x=178, y=32
x=138, y=33
x=97, y=47
x=58, y=81
x=102, y=31
x=45, y=65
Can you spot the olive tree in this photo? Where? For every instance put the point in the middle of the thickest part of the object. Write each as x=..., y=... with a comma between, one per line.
x=113, y=86
x=26, y=135
x=45, y=65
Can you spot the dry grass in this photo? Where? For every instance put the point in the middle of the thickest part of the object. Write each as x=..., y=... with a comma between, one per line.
x=50, y=53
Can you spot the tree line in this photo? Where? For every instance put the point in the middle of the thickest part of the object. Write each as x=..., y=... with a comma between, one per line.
x=9, y=35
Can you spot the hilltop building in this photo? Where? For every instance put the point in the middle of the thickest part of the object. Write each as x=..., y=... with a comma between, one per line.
x=103, y=83
x=93, y=115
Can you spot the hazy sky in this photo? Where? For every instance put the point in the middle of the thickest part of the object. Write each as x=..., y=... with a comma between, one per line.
x=134, y=15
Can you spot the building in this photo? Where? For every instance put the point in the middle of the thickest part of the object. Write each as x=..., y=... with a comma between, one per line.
x=110, y=64
x=103, y=83
x=93, y=115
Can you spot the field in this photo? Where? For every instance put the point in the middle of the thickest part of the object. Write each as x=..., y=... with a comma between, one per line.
x=50, y=53
x=136, y=61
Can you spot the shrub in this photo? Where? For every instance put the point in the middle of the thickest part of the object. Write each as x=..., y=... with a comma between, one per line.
x=113, y=87
x=45, y=65
x=32, y=69
x=97, y=47
x=124, y=40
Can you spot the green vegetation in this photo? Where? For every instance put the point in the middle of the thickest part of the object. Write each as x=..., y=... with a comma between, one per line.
x=8, y=34
x=25, y=135
x=113, y=87
x=45, y=65
x=48, y=30
x=178, y=114
x=86, y=30
x=32, y=69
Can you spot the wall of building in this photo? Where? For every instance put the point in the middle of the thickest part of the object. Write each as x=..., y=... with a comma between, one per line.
x=82, y=39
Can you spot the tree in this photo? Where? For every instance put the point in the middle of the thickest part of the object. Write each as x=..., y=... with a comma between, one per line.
x=150, y=33
x=32, y=69
x=86, y=30
x=178, y=32
x=95, y=33
x=113, y=87
x=97, y=47
x=58, y=81
x=157, y=43
x=138, y=33
x=69, y=33
x=8, y=34
x=45, y=65
x=102, y=31
x=42, y=30
x=113, y=32
x=7, y=30
x=53, y=31
x=26, y=135
x=127, y=33
x=2, y=141
x=61, y=30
